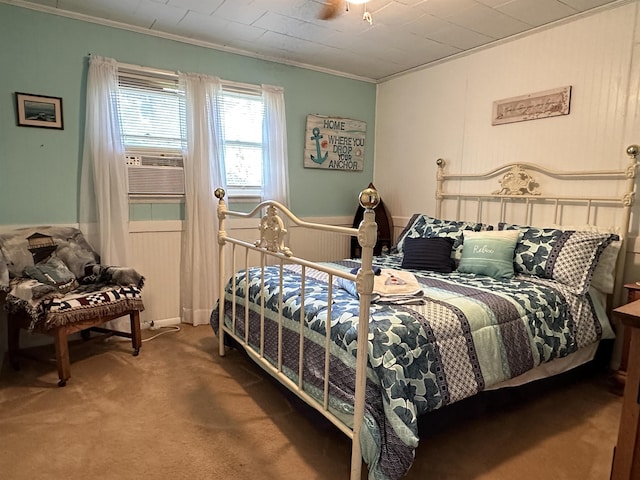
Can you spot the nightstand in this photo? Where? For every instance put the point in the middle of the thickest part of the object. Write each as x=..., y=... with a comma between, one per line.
x=620, y=375
x=626, y=457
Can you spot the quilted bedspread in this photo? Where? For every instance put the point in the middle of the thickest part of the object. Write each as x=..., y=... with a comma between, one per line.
x=472, y=332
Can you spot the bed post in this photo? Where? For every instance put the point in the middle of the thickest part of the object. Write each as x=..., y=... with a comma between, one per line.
x=367, y=236
x=222, y=210
x=628, y=200
x=439, y=181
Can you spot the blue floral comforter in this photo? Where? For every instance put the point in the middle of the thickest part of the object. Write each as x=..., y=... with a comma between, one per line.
x=471, y=333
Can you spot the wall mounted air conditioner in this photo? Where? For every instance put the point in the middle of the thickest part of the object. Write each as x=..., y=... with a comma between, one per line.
x=155, y=174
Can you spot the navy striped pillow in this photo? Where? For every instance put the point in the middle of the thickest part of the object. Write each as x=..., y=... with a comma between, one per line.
x=428, y=253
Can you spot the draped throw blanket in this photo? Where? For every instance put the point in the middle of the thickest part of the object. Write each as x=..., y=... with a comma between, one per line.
x=62, y=281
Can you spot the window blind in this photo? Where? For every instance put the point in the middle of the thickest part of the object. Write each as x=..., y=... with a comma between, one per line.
x=151, y=111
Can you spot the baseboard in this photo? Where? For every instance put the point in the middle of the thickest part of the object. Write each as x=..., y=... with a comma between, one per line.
x=165, y=322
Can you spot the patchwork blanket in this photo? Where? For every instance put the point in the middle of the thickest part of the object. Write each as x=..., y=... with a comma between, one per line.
x=470, y=333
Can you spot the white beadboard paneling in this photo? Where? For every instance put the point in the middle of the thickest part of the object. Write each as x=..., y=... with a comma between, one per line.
x=320, y=246
x=632, y=118
x=156, y=255
x=591, y=54
x=418, y=119
x=155, y=250
x=445, y=110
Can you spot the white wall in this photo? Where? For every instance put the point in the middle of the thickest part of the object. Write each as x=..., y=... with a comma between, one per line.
x=445, y=110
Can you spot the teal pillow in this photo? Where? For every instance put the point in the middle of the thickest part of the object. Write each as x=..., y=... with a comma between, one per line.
x=489, y=253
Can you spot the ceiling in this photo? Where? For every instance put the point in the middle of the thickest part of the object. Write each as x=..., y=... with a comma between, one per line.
x=405, y=34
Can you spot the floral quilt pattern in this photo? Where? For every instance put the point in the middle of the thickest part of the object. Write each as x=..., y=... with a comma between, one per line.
x=472, y=332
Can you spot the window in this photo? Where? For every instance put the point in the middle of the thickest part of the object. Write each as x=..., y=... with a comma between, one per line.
x=151, y=113
x=151, y=110
x=241, y=117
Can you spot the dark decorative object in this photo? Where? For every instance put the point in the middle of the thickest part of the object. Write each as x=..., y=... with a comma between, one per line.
x=383, y=243
x=41, y=246
x=39, y=111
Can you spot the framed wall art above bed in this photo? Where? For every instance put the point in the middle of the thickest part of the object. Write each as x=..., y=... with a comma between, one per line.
x=461, y=305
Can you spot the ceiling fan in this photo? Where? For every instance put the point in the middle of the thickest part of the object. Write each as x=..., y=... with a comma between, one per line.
x=331, y=9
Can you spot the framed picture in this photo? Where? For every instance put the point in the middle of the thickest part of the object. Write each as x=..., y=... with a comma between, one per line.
x=39, y=111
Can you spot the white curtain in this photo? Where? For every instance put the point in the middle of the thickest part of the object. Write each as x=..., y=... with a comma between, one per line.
x=204, y=172
x=104, y=203
x=275, y=171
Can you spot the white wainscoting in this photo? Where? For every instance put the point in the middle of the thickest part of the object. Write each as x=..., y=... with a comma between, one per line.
x=155, y=250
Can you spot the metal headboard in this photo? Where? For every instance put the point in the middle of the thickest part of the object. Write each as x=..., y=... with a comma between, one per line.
x=519, y=189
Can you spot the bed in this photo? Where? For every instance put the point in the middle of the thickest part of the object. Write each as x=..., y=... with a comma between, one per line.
x=456, y=308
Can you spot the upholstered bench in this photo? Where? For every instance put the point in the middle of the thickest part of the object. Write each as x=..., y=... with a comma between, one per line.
x=53, y=283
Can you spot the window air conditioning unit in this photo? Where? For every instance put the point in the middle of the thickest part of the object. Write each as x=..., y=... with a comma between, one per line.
x=155, y=174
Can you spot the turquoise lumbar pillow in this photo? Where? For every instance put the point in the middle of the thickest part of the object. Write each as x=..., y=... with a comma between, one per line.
x=489, y=253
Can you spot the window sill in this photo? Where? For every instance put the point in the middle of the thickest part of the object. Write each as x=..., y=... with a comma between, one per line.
x=244, y=198
x=156, y=198
x=134, y=199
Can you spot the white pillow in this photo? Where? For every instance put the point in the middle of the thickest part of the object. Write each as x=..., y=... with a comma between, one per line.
x=604, y=275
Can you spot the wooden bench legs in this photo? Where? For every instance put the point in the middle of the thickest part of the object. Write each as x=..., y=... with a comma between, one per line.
x=62, y=356
x=60, y=334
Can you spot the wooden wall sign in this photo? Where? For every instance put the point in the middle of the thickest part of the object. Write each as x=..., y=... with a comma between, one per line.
x=549, y=103
x=334, y=143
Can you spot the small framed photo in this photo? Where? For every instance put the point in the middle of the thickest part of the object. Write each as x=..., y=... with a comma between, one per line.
x=39, y=111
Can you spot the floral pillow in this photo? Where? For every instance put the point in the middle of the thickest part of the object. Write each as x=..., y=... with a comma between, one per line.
x=604, y=274
x=567, y=256
x=424, y=226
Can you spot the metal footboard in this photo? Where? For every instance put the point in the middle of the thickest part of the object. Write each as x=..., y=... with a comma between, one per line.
x=271, y=249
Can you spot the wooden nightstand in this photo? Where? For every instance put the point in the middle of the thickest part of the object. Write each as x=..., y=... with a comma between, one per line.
x=620, y=375
x=626, y=458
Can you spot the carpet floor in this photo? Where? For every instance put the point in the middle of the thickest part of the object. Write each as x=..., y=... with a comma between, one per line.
x=180, y=411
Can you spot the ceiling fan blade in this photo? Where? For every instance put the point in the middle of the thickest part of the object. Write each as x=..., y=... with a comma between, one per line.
x=330, y=9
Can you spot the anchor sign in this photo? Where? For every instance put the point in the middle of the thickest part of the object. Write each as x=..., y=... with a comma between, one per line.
x=334, y=143
x=316, y=136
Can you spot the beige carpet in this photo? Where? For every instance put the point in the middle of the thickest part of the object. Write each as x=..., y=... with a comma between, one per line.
x=179, y=411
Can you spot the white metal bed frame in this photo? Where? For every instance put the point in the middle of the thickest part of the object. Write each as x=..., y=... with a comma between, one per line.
x=517, y=185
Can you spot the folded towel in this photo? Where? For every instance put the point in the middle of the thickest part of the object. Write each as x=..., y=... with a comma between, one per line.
x=397, y=286
x=389, y=286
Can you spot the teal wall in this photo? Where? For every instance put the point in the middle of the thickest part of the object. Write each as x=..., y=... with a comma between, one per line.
x=47, y=55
